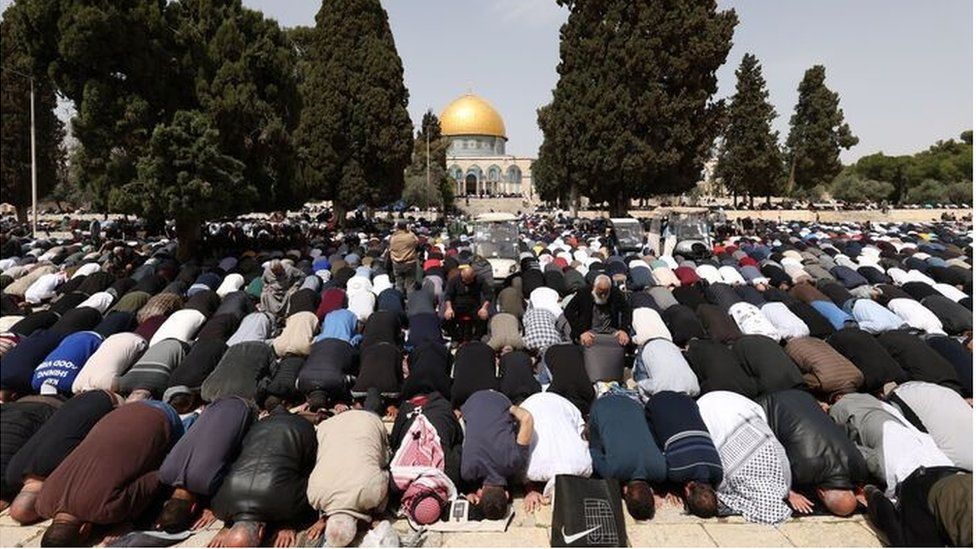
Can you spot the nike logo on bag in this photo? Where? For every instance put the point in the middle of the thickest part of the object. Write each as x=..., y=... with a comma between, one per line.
x=574, y=537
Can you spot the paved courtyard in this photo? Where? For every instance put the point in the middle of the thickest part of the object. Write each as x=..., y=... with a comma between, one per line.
x=670, y=527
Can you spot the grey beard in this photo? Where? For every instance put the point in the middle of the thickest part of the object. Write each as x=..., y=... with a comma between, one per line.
x=599, y=300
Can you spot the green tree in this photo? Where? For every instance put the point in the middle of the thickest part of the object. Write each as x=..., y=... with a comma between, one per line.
x=553, y=181
x=632, y=114
x=15, y=152
x=891, y=169
x=750, y=161
x=960, y=192
x=354, y=134
x=817, y=133
x=851, y=188
x=947, y=162
x=439, y=190
x=929, y=191
x=129, y=66
x=243, y=70
x=116, y=62
x=185, y=175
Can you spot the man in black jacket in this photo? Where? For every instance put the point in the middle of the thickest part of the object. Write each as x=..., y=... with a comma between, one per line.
x=822, y=459
x=267, y=483
x=600, y=310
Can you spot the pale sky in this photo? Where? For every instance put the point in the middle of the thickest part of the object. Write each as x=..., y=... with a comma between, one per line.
x=903, y=68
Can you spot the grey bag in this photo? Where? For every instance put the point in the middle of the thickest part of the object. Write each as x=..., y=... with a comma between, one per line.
x=604, y=360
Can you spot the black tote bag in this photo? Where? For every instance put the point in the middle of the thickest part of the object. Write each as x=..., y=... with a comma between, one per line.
x=587, y=512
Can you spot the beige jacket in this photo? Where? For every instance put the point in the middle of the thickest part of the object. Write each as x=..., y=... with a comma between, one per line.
x=352, y=469
x=403, y=247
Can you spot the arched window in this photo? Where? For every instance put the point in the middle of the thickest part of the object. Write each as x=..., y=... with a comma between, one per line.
x=514, y=175
x=456, y=172
x=494, y=174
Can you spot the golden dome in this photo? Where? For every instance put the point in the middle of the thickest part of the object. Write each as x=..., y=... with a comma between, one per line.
x=471, y=115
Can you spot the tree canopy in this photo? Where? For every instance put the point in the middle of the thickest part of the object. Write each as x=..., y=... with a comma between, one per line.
x=947, y=163
x=184, y=172
x=439, y=192
x=355, y=134
x=129, y=67
x=817, y=133
x=633, y=114
x=15, y=145
x=750, y=160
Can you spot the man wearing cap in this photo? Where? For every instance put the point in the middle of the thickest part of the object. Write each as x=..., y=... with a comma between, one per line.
x=600, y=310
x=403, y=256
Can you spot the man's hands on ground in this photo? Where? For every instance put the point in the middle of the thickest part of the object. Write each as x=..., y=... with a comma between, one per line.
x=315, y=531
x=285, y=537
x=534, y=500
x=800, y=503
x=206, y=519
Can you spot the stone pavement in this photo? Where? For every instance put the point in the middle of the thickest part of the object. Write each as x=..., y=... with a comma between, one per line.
x=670, y=527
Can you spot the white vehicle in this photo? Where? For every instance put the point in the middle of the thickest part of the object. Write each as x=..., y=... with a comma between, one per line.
x=628, y=234
x=495, y=238
x=687, y=233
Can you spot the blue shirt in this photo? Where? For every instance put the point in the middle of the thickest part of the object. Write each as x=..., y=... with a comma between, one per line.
x=621, y=444
x=61, y=366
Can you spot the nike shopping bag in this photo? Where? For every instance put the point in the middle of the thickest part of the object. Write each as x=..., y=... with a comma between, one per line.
x=587, y=512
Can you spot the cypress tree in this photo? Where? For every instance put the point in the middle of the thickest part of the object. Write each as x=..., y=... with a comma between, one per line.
x=632, y=114
x=15, y=145
x=817, y=133
x=750, y=161
x=355, y=134
x=439, y=192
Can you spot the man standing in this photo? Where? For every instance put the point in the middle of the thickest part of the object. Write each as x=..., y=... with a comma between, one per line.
x=601, y=310
x=493, y=451
x=466, y=305
x=403, y=256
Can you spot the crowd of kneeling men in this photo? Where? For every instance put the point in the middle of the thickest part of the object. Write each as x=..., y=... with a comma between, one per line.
x=802, y=369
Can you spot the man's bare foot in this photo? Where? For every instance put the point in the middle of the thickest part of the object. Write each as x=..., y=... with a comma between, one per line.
x=284, y=537
x=218, y=540
x=206, y=519
x=4, y=504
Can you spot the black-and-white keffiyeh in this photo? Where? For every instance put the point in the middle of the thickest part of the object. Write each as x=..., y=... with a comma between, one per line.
x=757, y=475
